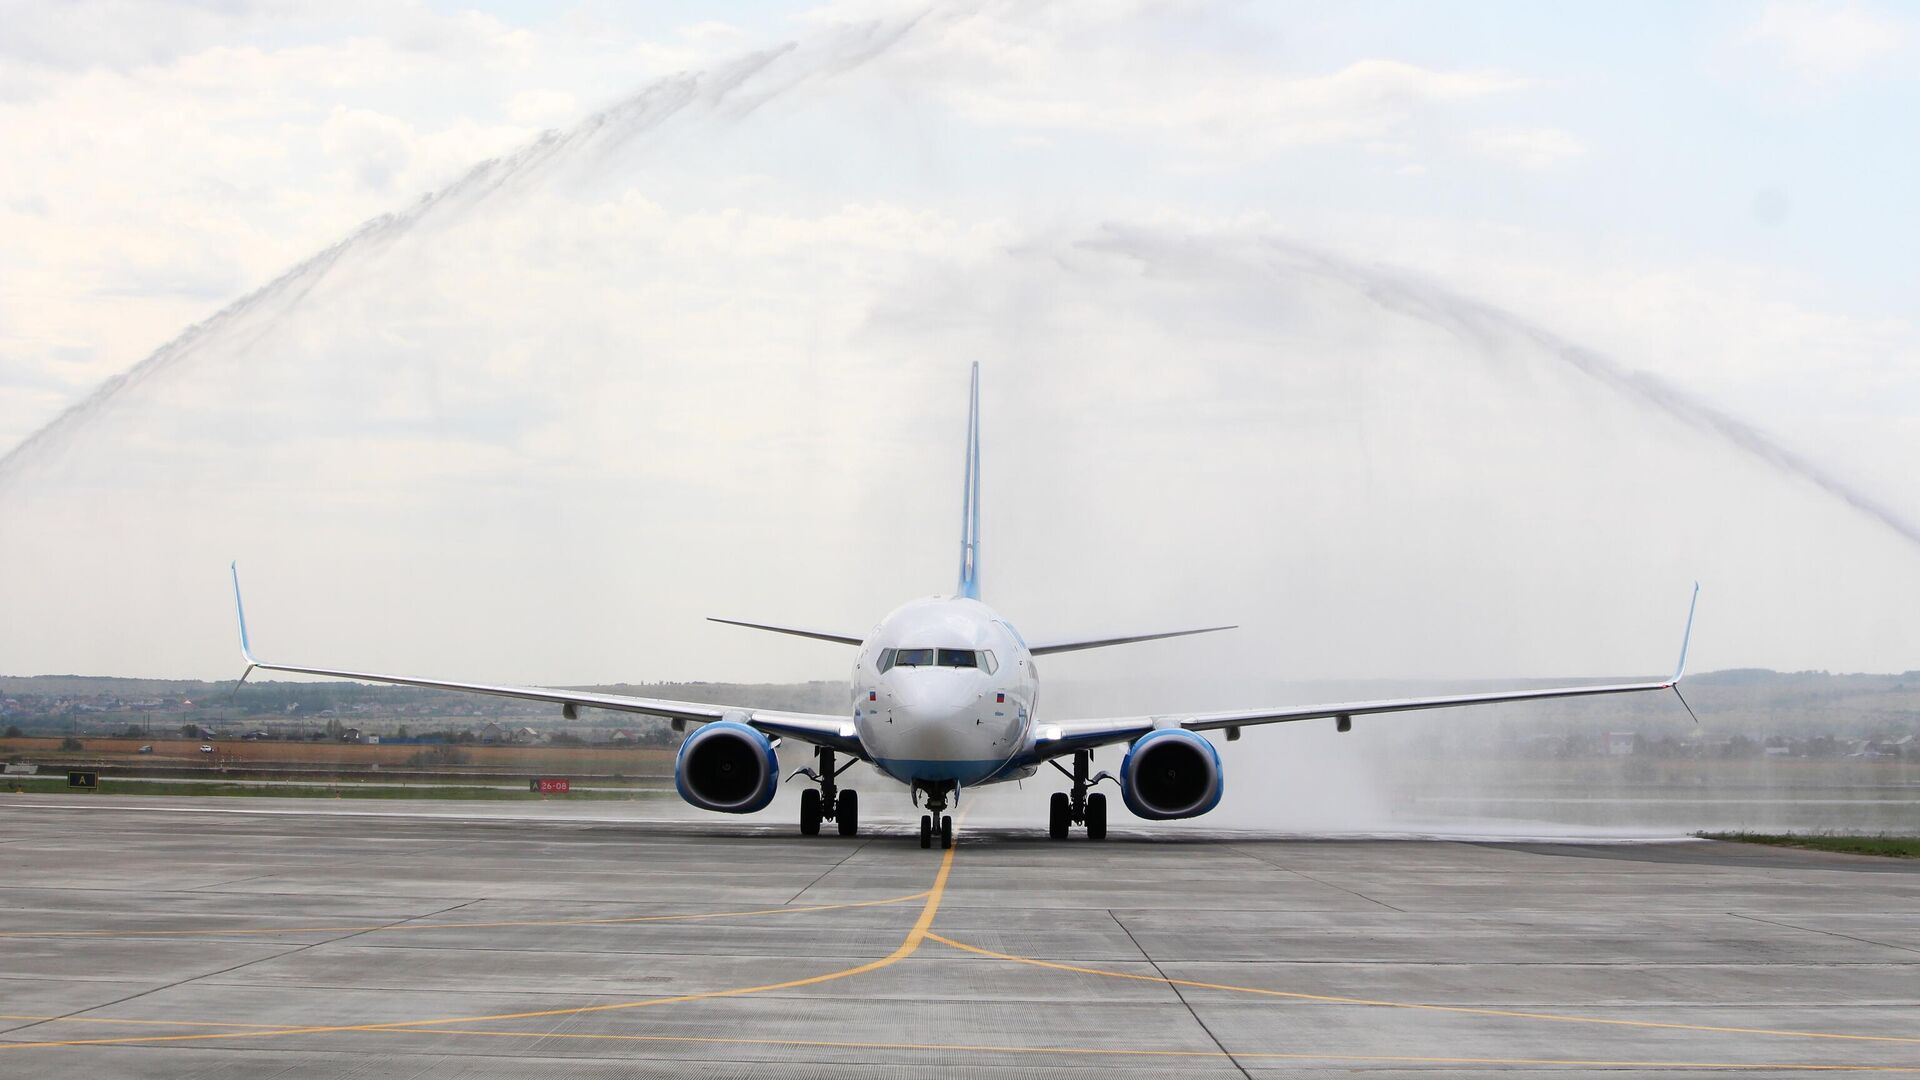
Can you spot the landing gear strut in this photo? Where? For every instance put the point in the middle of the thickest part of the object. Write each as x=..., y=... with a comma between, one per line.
x=1066, y=810
x=935, y=822
x=827, y=801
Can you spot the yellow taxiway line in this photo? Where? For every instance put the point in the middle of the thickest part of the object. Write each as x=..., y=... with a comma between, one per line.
x=1466, y=1009
x=499, y=924
x=1270, y=1055
x=989, y=1048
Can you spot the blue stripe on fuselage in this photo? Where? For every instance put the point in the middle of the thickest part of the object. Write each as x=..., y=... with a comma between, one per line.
x=964, y=773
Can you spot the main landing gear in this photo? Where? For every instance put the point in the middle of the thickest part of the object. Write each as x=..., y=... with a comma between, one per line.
x=826, y=801
x=935, y=822
x=1079, y=808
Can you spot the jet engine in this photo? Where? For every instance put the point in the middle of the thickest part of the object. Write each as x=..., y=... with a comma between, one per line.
x=727, y=766
x=1170, y=773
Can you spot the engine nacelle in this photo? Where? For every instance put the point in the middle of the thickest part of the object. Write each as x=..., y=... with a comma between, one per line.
x=1170, y=773
x=727, y=766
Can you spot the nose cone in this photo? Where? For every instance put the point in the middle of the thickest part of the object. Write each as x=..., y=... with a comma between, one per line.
x=934, y=692
x=933, y=731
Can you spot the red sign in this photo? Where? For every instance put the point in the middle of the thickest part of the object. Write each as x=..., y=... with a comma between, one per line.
x=549, y=785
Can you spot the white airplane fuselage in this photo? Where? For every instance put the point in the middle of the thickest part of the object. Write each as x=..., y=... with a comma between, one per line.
x=944, y=692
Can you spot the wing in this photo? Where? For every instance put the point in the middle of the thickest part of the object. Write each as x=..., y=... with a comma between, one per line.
x=836, y=732
x=1045, y=648
x=1056, y=739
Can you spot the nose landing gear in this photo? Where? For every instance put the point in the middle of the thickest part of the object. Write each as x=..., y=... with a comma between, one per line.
x=827, y=802
x=1066, y=810
x=935, y=822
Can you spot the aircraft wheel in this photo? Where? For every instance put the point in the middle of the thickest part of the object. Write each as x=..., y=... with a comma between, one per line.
x=1096, y=816
x=926, y=831
x=1059, y=815
x=848, y=815
x=810, y=812
x=946, y=832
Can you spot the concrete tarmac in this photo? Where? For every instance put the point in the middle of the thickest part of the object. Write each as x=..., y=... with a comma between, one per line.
x=197, y=938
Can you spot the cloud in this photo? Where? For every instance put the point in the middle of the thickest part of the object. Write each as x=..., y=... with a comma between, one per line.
x=371, y=145
x=712, y=30
x=1822, y=40
x=542, y=107
x=1528, y=148
x=1032, y=74
x=1079, y=77
x=123, y=35
x=112, y=33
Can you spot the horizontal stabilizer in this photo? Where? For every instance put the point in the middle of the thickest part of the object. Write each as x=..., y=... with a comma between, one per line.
x=1101, y=643
x=817, y=635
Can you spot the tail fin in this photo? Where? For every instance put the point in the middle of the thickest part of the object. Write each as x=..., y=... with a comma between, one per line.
x=970, y=499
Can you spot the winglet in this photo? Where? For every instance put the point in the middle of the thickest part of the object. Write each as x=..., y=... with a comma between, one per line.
x=1686, y=636
x=1680, y=669
x=240, y=610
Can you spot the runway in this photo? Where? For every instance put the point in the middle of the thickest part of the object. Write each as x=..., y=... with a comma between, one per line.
x=263, y=940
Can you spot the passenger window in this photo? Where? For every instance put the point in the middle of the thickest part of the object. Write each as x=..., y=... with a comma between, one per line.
x=957, y=658
x=988, y=663
x=886, y=660
x=913, y=658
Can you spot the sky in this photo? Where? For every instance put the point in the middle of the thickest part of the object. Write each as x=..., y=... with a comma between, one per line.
x=508, y=341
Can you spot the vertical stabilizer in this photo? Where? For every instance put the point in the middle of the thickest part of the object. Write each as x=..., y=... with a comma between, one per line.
x=970, y=498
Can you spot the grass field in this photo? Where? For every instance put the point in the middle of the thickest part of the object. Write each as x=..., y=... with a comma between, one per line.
x=1898, y=847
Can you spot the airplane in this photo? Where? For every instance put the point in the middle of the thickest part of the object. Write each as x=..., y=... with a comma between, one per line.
x=945, y=694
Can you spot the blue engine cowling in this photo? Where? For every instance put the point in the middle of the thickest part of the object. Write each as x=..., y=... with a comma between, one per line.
x=726, y=766
x=1170, y=773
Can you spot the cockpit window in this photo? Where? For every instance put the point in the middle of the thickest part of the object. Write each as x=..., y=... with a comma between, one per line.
x=954, y=658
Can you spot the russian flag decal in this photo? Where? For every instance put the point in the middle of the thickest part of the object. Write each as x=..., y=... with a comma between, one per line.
x=999, y=699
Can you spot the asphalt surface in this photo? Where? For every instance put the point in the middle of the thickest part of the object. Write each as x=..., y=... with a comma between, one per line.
x=193, y=938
